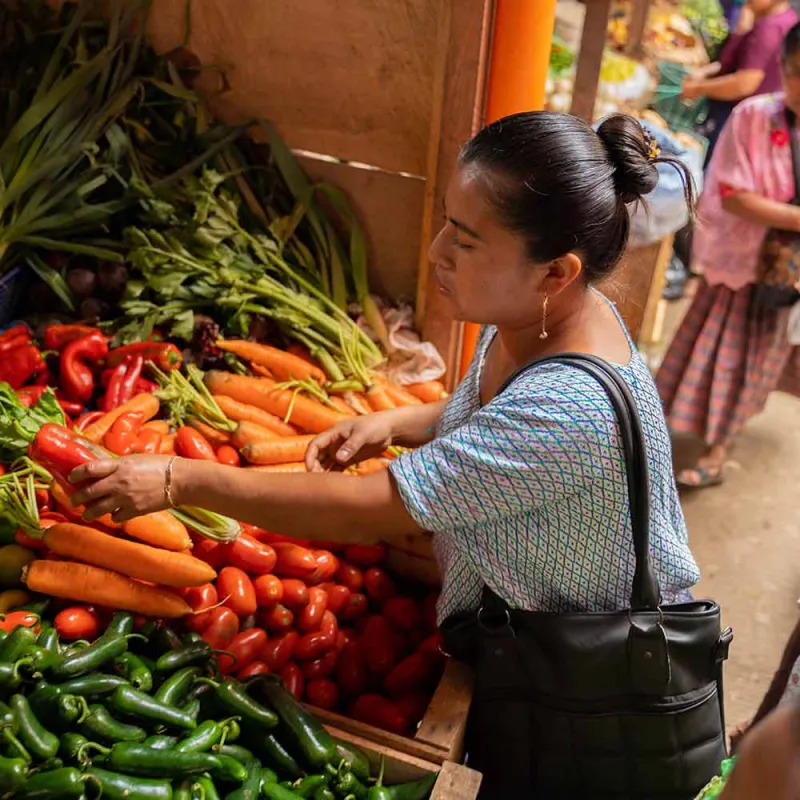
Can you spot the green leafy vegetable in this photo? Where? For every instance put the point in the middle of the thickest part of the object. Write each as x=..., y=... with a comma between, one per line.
x=19, y=425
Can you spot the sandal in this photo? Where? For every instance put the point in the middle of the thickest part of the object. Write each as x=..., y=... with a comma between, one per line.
x=705, y=477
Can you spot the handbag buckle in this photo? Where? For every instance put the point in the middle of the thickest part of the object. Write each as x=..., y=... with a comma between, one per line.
x=489, y=627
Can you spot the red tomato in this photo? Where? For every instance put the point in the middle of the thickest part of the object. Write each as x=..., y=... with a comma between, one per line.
x=23, y=540
x=355, y=607
x=351, y=577
x=190, y=443
x=399, y=643
x=310, y=617
x=380, y=712
x=295, y=593
x=413, y=706
x=236, y=591
x=363, y=555
x=378, y=645
x=342, y=639
x=210, y=552
x=322, y=693
x=324, y=544
x=294, y=561
x=351, y=669
x=253, y=669
x=337, y=597
x=200, y=598
x=245, y=623
x=429, y=618
x=321, y=667
x=412, y=673
x=278, y=652
x=228, y=455
x=277, y=619
x=329, y=626
x=250, y=555
x=77, y=622
x=224, y=625
x=268, y=537
x=327, y=566
x=380, y=587
x=244, y=648
x=433, y=645
x=313, y=645
x=269, y=590
x=42, y=500
x=293, y=680
x=403, y=612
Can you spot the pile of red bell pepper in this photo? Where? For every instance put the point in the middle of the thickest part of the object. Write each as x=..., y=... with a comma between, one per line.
x=20, y=358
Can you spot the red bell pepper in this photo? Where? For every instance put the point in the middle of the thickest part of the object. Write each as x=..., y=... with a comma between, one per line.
x=144, y=386
x=77, y=380
x=19, y=365
x=60, y=451
x=57, y=337
x=85, y=420
x=13, y=338
x=164, y=355
x=123, y=434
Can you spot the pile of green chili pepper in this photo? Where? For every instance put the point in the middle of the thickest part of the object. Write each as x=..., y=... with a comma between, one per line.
x=148, y=716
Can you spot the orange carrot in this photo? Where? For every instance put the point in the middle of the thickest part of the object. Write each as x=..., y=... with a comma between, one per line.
x=277, y=451
x=160, y=529
x=341, y=405
x=399, y=396
x=167, y=446
x=213, y=436
x=144, y=404
x=428, y=392
x=262, y=372
x=298, y=466
x=241, y=412
x=284, y=366
x=358, y=402
x=249, y=432
x=61, y=498
x=86, y=584
x=370, y=466
x=308, y=414
x=158, y=425
x=378, y=398
x=128, y=558
x=300, y=350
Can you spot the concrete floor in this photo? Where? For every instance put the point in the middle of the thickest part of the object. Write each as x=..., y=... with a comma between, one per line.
x=745, y=535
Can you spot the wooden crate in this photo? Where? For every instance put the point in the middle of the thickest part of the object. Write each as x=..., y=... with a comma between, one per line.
x=455, y=782
x=440, y=736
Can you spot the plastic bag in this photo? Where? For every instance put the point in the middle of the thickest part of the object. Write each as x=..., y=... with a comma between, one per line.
x=413, y=361
x=664, y=210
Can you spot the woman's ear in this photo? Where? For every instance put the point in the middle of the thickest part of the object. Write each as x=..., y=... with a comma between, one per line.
x=561, y=273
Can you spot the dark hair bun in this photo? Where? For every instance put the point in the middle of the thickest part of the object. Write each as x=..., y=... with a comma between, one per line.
x=635, y=173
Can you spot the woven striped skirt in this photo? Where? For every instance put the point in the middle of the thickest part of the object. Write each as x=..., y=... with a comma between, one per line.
x=724, y=361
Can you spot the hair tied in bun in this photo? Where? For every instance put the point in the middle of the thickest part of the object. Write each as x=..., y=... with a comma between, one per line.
x=653, y=150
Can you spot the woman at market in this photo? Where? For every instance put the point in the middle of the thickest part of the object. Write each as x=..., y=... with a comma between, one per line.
x=748, y=64
x=525, y=488
x=730, y=352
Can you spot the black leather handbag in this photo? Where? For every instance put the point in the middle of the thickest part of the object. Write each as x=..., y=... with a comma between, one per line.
x=597, y=705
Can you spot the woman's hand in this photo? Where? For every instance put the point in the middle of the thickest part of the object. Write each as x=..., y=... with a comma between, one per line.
x=691, y=89
x=351, y=441
x=123, y=487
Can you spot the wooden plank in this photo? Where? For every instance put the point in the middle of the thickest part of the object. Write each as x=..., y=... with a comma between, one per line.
x=389, y=207
x=342, y=78
x=456, y=782
x=445, y=722
x=461, y=116
x=656, y=290
x=636, y=27
x=590, y=57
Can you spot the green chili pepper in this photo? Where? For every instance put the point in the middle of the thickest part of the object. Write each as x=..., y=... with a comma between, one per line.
x=102, y=725
x=204, y=789
x=160, y=742
x=72, y=748
x=176, y=687
x=36, y=606
x=134, y=670
x=187, y=655
x=121, y=623
x=304, y=732
x=306, y=787
x=130, y=701
x=57, y=783
x=126, y=787
x=94, y=685
x=268, y=776
x=251, y=787
x=33, y=735
x=183, y=791
x=12, y=775
x=229, y=770
x=275, y=754
x=192, y=637
x=208, y=735
x=233, y=696
x=356, y=760
x=324, y=793
x=101, y=652
x=48, y=639
x=43, y=660
x=8, y=720
x=17, y=644
x=416, y=790
x=137, y=759
x=274, y=791
x=348, y=784
x=72, y=708
x=193, y=708
x=166, y=639
x=10, y=677
x=235, y=751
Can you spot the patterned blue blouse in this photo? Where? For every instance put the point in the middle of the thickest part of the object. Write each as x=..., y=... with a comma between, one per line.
x=528, y=493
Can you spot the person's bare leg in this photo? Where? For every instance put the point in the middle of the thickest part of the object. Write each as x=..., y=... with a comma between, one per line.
x=708, y=471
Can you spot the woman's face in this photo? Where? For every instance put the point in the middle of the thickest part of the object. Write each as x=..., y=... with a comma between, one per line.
x=761, y=8
x=790, y=69
x=483, y=269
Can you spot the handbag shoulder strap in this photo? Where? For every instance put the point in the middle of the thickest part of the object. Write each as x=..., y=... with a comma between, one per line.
x=645, y=592
x=791, y=122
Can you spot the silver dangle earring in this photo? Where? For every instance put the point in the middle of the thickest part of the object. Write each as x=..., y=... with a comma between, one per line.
x=543, y=334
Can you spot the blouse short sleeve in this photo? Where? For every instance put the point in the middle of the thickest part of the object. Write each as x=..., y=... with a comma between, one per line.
x=535, y=444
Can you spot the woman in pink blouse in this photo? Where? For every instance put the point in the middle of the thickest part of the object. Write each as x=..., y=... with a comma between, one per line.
x=728, y=355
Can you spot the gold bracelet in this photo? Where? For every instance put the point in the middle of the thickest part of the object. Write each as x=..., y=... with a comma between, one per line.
x=168, y=482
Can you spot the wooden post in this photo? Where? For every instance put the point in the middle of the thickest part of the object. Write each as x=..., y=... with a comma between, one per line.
x=590, y=58
x=522, y=38
x=636, y=25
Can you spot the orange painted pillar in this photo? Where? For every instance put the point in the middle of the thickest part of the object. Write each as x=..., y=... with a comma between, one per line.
x=523, y=34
